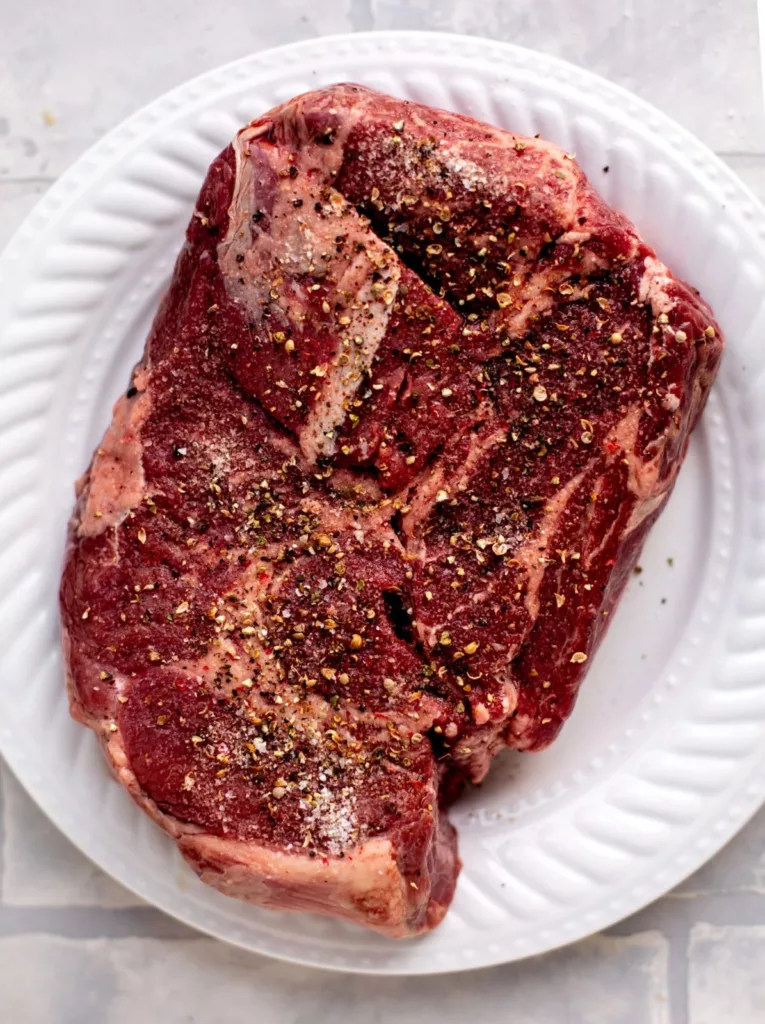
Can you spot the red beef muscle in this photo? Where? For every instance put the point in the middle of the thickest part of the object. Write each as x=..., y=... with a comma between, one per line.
x=406, y=414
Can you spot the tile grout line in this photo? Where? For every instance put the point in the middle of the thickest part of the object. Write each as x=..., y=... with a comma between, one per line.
x=29, y=179
x=80, y=923
x=677, y=973
x=3, y=811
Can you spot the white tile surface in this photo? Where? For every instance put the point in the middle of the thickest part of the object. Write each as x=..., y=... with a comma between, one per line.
x=50, y=980
x=88, y=65
x=73, y=948
x=41, y=867
x=16, y=200
x=696, y=60
x=726, y=983
x=739, y=867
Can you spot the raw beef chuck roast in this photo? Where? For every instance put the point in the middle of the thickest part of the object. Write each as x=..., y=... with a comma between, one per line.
x=410, y=406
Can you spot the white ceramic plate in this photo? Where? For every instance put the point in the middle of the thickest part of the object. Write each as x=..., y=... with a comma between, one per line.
x=664, y=757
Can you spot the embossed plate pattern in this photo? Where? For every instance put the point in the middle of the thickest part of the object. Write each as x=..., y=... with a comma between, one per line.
x=664, y=757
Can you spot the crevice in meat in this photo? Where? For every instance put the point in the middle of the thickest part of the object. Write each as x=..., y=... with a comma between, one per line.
x=397, y=525
x=411, y=258
x=398, y=615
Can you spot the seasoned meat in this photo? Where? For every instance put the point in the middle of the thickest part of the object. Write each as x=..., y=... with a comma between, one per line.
x=410, y=406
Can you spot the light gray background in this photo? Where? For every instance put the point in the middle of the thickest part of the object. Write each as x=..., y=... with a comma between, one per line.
x=77, y=949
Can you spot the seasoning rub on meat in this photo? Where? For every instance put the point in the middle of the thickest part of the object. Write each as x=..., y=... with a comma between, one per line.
x=410, y=406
